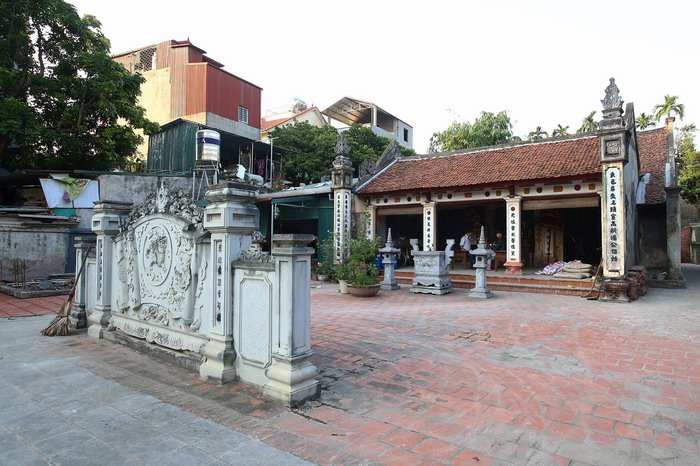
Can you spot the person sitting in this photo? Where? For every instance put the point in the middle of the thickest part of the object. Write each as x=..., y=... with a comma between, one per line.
x=500, y=244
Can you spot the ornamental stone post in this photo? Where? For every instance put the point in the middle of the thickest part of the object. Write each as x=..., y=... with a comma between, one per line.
x=291, y=374
x=106, y=223
x=617, y=212
x=342, y=199
x=389, y=253
x=231, y=217
x=514, y=263
x=481, y=257
x=84, y=245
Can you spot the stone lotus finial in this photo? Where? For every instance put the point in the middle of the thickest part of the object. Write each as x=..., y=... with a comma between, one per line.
x=342, y=148
x=612, y=96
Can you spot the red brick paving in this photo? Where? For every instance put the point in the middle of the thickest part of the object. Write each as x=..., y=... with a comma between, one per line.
x=420, y=379
x=15, y=307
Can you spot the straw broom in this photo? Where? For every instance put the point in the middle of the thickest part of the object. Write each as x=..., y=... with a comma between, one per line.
x=61, y=324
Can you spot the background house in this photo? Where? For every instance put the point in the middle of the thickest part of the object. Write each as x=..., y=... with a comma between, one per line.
x=350, y=111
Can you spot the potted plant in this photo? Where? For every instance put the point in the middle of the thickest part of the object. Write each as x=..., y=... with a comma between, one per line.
x=364, y=276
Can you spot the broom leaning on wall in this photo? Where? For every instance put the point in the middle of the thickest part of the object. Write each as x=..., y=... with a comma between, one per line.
x=61, y=325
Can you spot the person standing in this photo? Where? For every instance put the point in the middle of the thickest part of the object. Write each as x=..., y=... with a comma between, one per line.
x=466, y=244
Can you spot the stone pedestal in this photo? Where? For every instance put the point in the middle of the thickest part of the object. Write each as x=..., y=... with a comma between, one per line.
x=106, y=223
x=218, y=359
x=432, y=273
x=291, y=374
x=389, y=254
x=84, y=247
x=615, y=290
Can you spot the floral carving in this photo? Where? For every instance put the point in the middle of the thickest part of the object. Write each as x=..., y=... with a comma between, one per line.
x=167, y=202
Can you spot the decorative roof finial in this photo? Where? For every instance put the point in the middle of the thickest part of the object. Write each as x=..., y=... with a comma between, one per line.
x=342, y=148
x=612, y=96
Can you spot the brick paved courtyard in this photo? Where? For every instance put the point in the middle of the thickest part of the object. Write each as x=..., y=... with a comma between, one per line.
x=418, y=379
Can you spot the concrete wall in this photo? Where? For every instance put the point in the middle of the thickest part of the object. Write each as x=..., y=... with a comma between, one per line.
x=135, y=188
x=46, y=251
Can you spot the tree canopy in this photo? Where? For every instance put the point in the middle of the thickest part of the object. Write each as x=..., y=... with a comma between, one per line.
x=487, y=130
x=669, y=106
x=689, y=170
x=644, y=121
x=314, y=149
x=560, y=131
x=65, y=104
x=588, y=125
x=537, y=134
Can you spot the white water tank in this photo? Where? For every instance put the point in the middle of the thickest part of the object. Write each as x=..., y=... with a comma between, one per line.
x=208, y=145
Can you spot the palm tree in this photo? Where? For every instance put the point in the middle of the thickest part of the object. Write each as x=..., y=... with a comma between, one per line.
x=538, y=133
x=588, y=125
x=645, y=121
x=669, y=106
x=560, y=131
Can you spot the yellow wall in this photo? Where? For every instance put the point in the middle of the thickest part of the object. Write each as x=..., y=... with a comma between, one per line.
x=155, y=98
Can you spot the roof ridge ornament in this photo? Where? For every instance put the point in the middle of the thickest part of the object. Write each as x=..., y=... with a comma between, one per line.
x=612, y=96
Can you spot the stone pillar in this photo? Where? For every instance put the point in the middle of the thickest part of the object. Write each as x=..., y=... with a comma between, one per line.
x=673, y=232
x=514, y=264
x=389, y=253
x=84, y=248
x=106, y=223
x=481, y=257
x=372, y=222
x=342, y=199
x=231, y=217
x=429, y=225
x=613, y=158
x=291, y=374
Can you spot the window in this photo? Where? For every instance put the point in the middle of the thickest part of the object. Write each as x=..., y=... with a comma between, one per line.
x=243, y=114
x=405, y=134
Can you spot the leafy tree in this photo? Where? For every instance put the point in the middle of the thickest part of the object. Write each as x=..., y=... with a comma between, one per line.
x=487, y=130
x=589, y=124
x=669, y=106
x=65, y=104
x=560, y=131
x=314, y=149
x=645, y=121
x=689, y=169
x=537, y=134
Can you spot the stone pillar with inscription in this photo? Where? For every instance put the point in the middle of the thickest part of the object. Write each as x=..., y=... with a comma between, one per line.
x=342, y=199
x=291, y=374
x=106, y=223
x=514, y=263
x=231, y=217
x=84, y=248
x=613, y=157
x=429, y=224
x=371, y=221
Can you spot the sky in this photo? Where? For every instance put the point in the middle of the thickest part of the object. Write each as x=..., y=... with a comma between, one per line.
x=431, y=63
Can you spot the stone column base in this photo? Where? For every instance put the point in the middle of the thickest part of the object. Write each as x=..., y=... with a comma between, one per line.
x=614, y=290
x=291, y=380
x=514, y=268
x=483, y=293
x=217, y=363
x=98, y=322
x=389, y=286
x=79, y=316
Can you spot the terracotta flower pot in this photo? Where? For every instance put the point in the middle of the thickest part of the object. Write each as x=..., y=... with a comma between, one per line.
x=363, y=291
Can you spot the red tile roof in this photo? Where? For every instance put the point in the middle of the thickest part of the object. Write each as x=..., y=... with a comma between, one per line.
x=556, y=158
x=653, y=152
x=562, y=158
